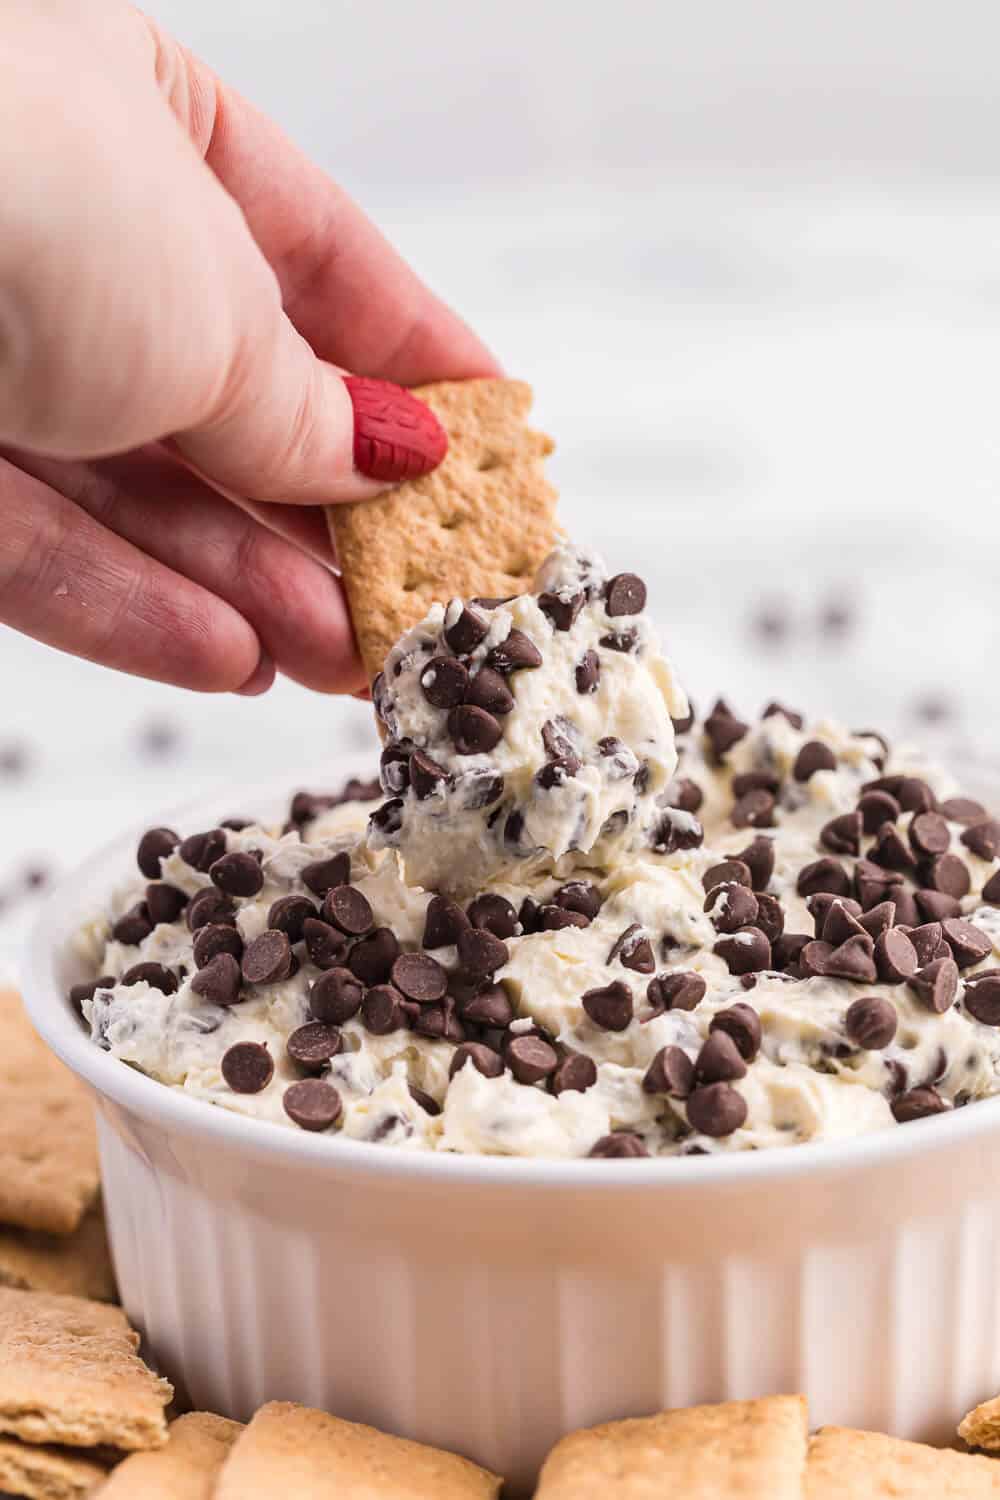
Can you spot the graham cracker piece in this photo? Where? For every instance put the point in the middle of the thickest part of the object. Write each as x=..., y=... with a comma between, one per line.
x=848, y=1465
x=198, y=1445
x=77, y=1265
x=980, y=1428
x=294, y=1450
x=754, y=1450
x=479, y=525
x=69, y=1373
x=42, y=1473
x=48, y=1146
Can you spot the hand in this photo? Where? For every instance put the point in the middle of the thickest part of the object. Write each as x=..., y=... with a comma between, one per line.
x=180, y=291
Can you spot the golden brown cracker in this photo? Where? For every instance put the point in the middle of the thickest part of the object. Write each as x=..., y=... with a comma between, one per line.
x=77, y=1264
x=69, y=1373
x=847, y=1465
x=479, y=525
x=43, y=1473
x=187, y=1468
x=980, y=1428
x=755, y=1450
x=48, y=1145
x=294, y=1450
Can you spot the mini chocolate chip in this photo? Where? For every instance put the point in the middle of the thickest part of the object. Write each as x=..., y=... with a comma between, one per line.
x=155, y=845
x=624, y=594
x=388, y=819
x=201, y=850
x=164, y=903
x=383, y=1010
x=247, y=1067
x=991, y=890
x=795, y=719
x=962, y=810
x=877, y=808
x=915, y=795
x=814, y=756
x=812, y=959
x=723, y=728
x=719, y=1060
x=483, y=1059
x=619, y=1143
x=426, y=775
x=620, y=640
x=394, y=777
x=842, y=835
x=890, y=850
x=324, y=874
x=312, y=1045
x=87, y=990
x=728, y=872
x=348, y=910
x=555, y=919
x=479, y=788
x=717, y=1109
x=153, y=974
x=268, y=959
x=896, y=958
x=758, y=856
x=671, y=1072
x=489, y=691
x=770, y=917
x=443, y=681
x=676, y=991
x=587, y=672
x=917, y=1104
x=786, y=951
x=372, y=959
x=874, y=734
x=947, y=873
x=854, y=959
x=218, y=981
x=133, y=926
x=531, y=1059
x=480, y=951
x=967, y=943
x=489, y=1007
x=609, y=1006
x=891, y=784
x=871, y=1022
x=676, y=830
x=466, y=630
x=443, y=921
x=755, y=809
x=561, y=611
x=579, y=896
x=929, y=833
x=746, y=952
x=823, y=875
x=633, y=950
x=335, y=996
x=495, y=914
x=556, y=742
x=684, y=725
x=741, y=1024
x=685, y=794
x=756, y=781
x=216, y=938
x=312, y=1104
x=427, y=1104
x=439, y=1021
x=514, y=653
x=473, y=731
x=983, y=838
x=288, y=914
x=575, y=1074
x=878, y=919
x=419, y=977
x=731, y=907
x=982, y=998
x=936, y=984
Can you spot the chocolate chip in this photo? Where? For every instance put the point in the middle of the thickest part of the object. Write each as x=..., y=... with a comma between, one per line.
x=387, y=819
x=466, y=628
x=929, y=833
x=312, y=1045
x=874, y=885
x=917, y=1105
x=247, y=1067
x=936, y=985
x=427, y=1104
x=814, y=756
x=383, y=1010
x=480, y=951
x=372, y=959
x=741, y=1024
x=991, y=890
x=394, y=777
x=935, y=906
x=620, y=640
x=891, y=851
x=312, y=1104
x=982, y=998
x=153, y=974
x=746, y=952
x=983, y=838
x=490, y=1007
x=758, y=857
x=891, y=784
x=348, y=910
x=268, y=959
x=324, y=874
x=877, y=808
x=237, y=874
x=756, y=781
x=795, y=719
x=419, y=977
x=87, y=990
x=164, y=903
x=813, y=957
x=723, y=728
x=842, y=835
x=841, y=920
x=579, y=896
x=495, y=914
x=218, y=981
x=443, y=921
x=676, y=991
x=531, y=1059
x=915, y=795
x=907, y=913
x=306, y=807
x=513, y=654
x=325, y=946
x=439, y=1021
x=684, y=794
x=853, y=960
x=948, y=874
x=426, y=775
x=731, y=907
x=587, y=673
x=786, y=951
x=755, y=809
x=619, y=1144
x=335, y=996
x=575, y=1074
x=443, y=681
x=878, y=919
x=209, y=907
x=967, y=943
x=684, y=724
x=728, y=872
x=288, y=914
x=717, y=1109
x=676, y=830
x=489, y=691
x=216, y=938
x=896, y=958
x=719, y=1060
x=155, y=845
x=483, y=1059
x=823, y=875
x=671, y=1072
x=962, y=810
x=561, y=611
x=873, y=734
x=871, y=1023
x=927, y=940
x=201, y=850
x=609, y=1006
x=133, y=926
x=473, y=731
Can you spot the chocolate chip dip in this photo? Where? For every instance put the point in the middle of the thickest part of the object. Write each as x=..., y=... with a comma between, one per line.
x=571, y=919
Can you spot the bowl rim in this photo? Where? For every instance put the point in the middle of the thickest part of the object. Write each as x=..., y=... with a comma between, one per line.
x=172, y=1110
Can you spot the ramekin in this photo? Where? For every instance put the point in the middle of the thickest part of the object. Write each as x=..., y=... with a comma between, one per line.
x=489, y=1305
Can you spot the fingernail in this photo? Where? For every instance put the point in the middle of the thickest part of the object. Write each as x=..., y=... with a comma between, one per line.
x=260, y=679
x=395, y=436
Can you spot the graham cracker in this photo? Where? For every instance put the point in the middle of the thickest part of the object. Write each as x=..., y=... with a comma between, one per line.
x=48, y=1473
x=77, y=1265
x=848, y=1465
x=980, y=1428
x=294, y=1450
x=48, y=1146
x=754, y=1450
x=198, y=1445
x=479, y=525
x=69, y=1373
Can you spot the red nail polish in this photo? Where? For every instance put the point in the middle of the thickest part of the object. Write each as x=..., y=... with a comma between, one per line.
x=395, y=435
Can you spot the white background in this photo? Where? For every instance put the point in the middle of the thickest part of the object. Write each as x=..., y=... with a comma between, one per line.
x=748, y=254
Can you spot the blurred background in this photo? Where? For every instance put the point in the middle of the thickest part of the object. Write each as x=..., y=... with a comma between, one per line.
x=748, y=253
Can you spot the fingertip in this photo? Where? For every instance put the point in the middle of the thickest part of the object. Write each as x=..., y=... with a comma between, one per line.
x=260, y=680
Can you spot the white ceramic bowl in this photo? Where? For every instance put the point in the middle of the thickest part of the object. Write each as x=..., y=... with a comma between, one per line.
x=490, y=1305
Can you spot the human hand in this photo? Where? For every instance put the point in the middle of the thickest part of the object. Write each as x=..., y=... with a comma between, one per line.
x=180, y=290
